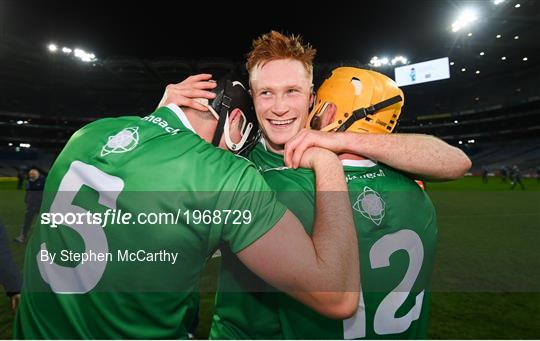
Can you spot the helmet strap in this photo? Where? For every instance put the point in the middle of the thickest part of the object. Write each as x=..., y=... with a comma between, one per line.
x=223, y=117
x=365, y=112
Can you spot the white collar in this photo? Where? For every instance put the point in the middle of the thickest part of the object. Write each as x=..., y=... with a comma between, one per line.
x=358, y=163
x=262, y=141
x=181, y=116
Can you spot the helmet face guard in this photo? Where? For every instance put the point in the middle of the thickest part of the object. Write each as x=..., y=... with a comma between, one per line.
x=230, y=95
x=366, y=102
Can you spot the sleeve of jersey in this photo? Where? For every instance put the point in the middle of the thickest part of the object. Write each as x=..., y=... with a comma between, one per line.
x=259, y=207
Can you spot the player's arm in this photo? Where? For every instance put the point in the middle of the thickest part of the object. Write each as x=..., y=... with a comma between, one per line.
x=425, y=157
x=321, y=271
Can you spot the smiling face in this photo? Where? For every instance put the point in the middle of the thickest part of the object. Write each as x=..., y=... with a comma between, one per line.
x=281, y=91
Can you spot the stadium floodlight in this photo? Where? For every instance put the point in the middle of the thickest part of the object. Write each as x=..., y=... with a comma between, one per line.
x=378, y=62
x=375, y=62
x=469, y=34
x=463, y=69
x=482, y=53
x=503, y=58
x=517, y=6
x=399, y=59
x=477, y=72
x=498, y=2
x=460, y=142
x=79, y=53
x=516, y=37
x=498, y=36
x=464, y=19
x=84, y=56
x=24, y=145
x=10, y=144
x=452, y=63
x=525, y=59
x=456, y=121
x=20, y=122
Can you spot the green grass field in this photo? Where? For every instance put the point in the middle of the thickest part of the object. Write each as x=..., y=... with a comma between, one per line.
x=487, y=276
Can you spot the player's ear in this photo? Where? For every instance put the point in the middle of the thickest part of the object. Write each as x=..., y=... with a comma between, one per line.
x=235, y=119
x=328, y=115
x=236, y=122
x=235, y=115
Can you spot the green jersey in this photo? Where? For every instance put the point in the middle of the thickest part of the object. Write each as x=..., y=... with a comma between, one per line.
x=396, y=226
x=120, y=279
x=247, y=307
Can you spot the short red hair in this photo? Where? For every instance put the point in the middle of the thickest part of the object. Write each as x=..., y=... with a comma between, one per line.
x=274, y=45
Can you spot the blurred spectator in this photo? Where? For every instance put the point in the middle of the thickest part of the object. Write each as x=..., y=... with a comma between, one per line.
x=484, y=175
x=21, y=173
x=515, y=177
x=10, y=277
x=34, y=194
x=504, y=173
x=538, y=174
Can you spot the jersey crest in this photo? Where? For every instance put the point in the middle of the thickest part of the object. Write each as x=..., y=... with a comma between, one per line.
x=122, y=142
x=370, y=204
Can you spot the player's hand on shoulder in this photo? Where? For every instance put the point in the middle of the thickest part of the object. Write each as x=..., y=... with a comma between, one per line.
x=184, y=93
x=306, y=138
x=314, y=157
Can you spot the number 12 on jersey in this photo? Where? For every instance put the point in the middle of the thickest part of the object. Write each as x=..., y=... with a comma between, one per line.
x=385, y=322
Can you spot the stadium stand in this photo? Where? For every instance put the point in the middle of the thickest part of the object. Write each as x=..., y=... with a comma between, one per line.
x=495, y=120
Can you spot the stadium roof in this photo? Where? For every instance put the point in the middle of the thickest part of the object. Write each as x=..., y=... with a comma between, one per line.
x=141, y=47
x=340, y=30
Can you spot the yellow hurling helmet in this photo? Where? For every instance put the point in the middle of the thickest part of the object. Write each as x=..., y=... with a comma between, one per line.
x=366, y=101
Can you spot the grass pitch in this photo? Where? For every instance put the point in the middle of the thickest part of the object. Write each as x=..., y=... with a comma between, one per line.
x=486, y=283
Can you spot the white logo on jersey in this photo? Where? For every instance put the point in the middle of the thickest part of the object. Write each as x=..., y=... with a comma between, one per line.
x=160, y=122
x=122, y=142
x=370, y=176
x=370, y=204
x=264, y=170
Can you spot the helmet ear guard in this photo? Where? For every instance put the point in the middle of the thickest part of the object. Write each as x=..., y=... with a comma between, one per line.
x=230, y=95
x=366, y=102
x=245, y=132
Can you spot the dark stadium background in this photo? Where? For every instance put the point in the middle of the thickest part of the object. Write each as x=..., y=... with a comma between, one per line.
x=487, y=275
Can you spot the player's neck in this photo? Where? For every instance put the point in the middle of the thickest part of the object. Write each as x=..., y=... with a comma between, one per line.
x=203, y=127
x=274, y=148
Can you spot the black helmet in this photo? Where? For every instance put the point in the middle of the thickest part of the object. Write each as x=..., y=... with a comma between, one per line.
x=232, y=94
